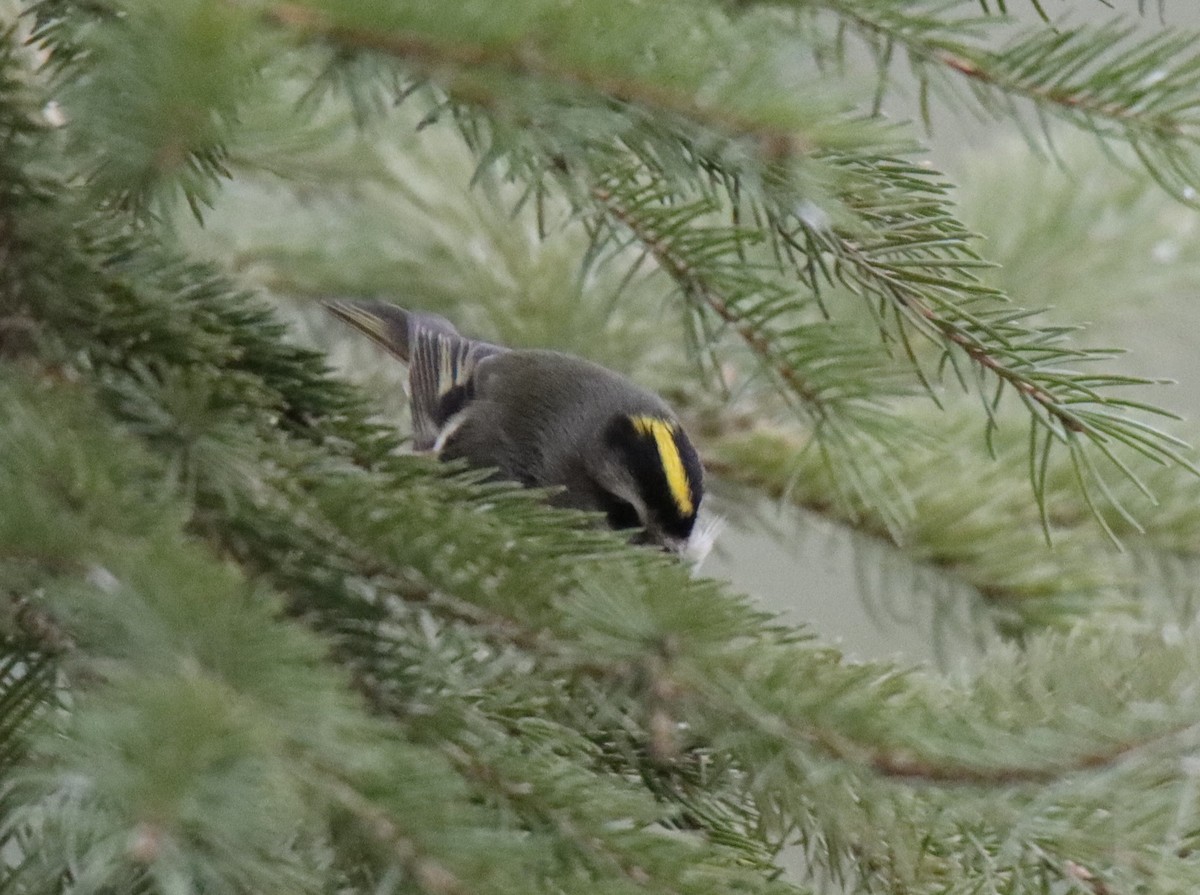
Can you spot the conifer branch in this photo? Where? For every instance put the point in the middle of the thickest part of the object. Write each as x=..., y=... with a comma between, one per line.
x=430, y=875
x=835, y=390
x=596, y=850
x=1108, y=79
x=903, y=765
x=435, y=57
x=902, y=250
x=701, y=291
x=1020, y=584
x=952, y=326
x=189, y=441
x=918, y=265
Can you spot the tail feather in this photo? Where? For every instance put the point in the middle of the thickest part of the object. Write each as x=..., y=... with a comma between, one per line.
x=388, y=325
x=438, y=358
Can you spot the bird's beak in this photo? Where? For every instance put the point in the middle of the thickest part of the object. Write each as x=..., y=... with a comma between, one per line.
x=674, y=546
x=696, y=549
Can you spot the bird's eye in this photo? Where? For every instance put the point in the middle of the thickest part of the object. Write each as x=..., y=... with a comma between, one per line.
x=621, y=513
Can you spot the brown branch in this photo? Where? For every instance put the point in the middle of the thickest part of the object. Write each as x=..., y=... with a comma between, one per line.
x=526, y=59
x=430, y=875
x=904, y=765
x=1074, y=101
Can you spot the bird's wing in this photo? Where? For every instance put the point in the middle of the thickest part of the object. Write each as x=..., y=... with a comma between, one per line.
x=439, y=374
x=440, y=361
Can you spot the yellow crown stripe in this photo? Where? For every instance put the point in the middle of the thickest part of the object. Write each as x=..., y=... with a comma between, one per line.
x=663, y=433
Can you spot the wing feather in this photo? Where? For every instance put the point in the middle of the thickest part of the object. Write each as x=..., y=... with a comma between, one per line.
x=439, y=358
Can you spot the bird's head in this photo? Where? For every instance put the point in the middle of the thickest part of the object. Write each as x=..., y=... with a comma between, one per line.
x=648, y=477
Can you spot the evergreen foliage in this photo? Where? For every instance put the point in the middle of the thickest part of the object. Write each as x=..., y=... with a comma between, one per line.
x=248, y=642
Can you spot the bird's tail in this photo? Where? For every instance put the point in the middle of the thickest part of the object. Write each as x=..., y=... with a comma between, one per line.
x=392, y=327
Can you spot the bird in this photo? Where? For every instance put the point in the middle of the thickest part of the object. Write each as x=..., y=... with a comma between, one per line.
x=545, y=419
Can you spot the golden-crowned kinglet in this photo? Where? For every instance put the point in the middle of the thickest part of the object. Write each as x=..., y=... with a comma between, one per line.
x=544, y=419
